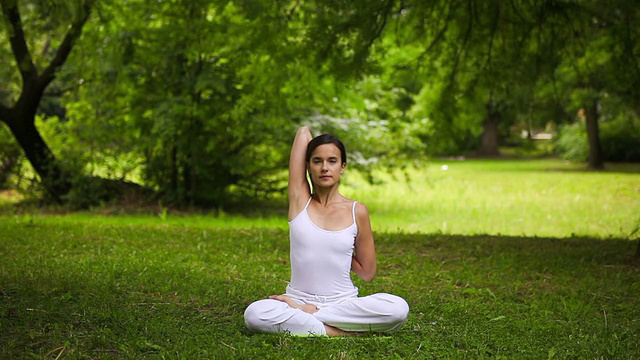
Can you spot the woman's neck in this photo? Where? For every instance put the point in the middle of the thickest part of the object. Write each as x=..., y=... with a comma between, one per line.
x=326, y=195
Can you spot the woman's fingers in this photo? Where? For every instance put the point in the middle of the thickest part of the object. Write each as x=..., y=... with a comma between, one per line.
x=308, y=308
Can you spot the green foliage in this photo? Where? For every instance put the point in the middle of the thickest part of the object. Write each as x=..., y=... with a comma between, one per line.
x=376, y=133
x=10, y=158
x=571, y=143
x=203, y=120
x=45, y=24
x=191, y=114
x=620, y=139
x=459, y=68
x=198, y=100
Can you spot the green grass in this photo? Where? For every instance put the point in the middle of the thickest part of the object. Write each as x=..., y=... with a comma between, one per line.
x=519, y=198
x=496, y=197
x=119, y=291
x=91, y=286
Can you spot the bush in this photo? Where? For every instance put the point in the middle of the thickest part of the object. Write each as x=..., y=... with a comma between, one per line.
x=620, y=140
x=12, y=160
x=571, y=143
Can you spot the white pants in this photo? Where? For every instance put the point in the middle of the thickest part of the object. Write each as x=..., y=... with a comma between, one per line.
x=378, y=312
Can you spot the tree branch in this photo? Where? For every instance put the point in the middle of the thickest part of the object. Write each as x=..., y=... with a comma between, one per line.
x=67, y=44
x=439, y=35
x=492, y=37
x=629, y=49
x=465, y=41
x=17, y=40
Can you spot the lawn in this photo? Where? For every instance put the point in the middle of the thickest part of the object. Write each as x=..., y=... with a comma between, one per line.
x=86, y=285
x=521, y=198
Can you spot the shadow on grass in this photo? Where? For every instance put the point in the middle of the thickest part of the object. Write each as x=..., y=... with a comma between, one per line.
x=144, y=292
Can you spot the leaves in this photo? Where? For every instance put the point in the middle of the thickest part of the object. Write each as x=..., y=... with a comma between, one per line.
x=197, y=97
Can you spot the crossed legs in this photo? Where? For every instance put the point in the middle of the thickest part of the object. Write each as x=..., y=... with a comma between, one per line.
x=378, y=312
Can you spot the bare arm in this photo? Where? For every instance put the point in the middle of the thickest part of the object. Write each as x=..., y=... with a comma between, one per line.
x=363, y=262
x=299, y=189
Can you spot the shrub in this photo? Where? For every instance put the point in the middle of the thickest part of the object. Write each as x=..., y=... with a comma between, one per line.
x=10, y=158
x=571, y=143
x=620, y=140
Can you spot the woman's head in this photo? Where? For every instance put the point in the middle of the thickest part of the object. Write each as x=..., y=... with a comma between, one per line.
x=326, y=160
x=326, y=139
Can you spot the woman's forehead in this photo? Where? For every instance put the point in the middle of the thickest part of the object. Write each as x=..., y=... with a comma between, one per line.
x=326, y=150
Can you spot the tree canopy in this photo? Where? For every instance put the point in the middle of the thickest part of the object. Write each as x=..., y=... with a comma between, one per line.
x=199, y=99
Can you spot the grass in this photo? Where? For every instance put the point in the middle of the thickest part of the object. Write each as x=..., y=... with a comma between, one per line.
x=148, y=287
x=545, y=197
x=519, y=198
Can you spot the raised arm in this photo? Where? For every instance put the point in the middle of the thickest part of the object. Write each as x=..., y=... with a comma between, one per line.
x=299, y=189
x=363, y=262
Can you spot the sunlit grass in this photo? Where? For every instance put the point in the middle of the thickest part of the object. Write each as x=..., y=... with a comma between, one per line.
x=509, y=197
x=532, y=198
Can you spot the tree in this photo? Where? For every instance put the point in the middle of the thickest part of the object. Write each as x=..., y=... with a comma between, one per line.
x=205, y=95
x=596, y=46
x=477, y=63
x=20, y=115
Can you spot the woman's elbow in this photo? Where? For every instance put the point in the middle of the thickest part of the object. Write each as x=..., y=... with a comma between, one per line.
x=368, y=275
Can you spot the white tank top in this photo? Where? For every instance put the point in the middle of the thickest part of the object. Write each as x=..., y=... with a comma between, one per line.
x=321, y=259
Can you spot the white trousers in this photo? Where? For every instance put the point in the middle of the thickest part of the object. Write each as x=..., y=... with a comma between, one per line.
x=378, y=312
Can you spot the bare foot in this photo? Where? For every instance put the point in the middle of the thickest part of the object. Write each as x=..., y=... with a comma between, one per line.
x=334, y=331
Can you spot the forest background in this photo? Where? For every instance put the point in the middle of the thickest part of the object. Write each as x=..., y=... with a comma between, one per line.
x=194, y=102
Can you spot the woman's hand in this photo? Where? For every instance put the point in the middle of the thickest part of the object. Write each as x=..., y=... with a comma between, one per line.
x=308, y=308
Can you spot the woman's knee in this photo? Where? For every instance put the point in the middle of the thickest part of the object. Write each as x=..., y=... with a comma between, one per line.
x=402, y=310
x=256, y=314
x=397, y=308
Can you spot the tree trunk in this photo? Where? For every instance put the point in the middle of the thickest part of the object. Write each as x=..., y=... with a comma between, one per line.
x=489, y=145
x=21, y=117
x=593, y=133
x=56, y=181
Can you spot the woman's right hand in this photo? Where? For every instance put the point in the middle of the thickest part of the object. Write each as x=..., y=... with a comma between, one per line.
x=308, y=308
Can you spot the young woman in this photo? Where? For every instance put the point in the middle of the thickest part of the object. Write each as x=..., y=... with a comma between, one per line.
x=330, y=236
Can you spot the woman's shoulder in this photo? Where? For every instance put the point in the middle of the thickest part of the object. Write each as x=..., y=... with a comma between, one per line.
x=346, y=201
x=360, y=207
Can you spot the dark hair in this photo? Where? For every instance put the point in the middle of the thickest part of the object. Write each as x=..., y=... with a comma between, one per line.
x=326, y=139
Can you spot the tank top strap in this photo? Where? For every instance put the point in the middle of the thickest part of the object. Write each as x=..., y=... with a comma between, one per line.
x=353, y=212
x=307, y=205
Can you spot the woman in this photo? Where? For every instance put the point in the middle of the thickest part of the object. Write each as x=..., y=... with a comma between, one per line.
x=330, y=236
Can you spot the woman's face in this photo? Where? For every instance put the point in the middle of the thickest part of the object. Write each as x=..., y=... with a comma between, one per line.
x=325, y=165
